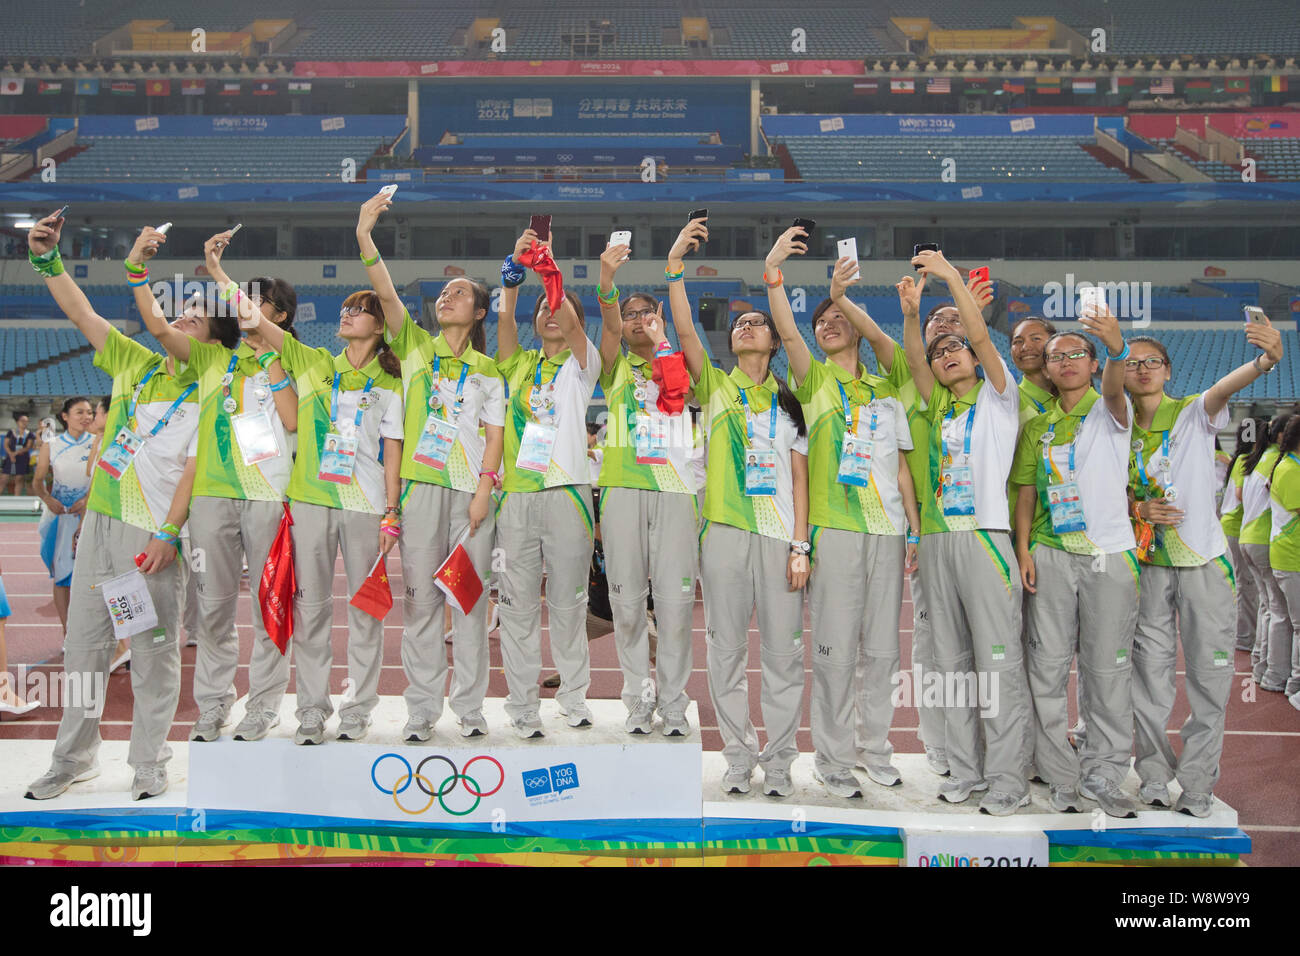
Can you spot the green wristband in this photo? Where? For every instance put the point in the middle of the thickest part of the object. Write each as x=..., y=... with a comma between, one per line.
x=134, y=269
x=48, y=265
x=266, y=359
x=370, y=262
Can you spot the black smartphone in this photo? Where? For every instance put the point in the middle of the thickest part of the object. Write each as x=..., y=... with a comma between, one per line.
x=59, y=214
x=542, y=226
x=698, y=214
x=807, y=225
x=922, y=247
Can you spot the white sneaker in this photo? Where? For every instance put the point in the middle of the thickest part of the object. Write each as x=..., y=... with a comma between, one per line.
x=641, y=718
x=578, y=715
x=842, y=783
x=884, y=775
x=353, y=726
x=736, y=779
x=777, y=783
x=473, y=724
x=149, y=782
x=1112, y=800
x=936, y=758
x=997, y=803
x=528, y=726
x=957, y=791
x=311, y=728
x=676, y=724
x=1155, y=795
x=417, y=730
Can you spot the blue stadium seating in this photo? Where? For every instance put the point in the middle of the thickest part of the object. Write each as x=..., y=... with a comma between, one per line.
x=842, y=158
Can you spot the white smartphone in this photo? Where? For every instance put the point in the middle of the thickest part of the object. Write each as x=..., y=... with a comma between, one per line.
x=238, y=226
x=164, y=227
x=621, y=237
x=848, y=249
x=1254, y=314
x=388, y=190
x=1091, y=296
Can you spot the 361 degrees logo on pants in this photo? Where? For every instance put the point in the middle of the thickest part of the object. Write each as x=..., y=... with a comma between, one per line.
x=555, y=780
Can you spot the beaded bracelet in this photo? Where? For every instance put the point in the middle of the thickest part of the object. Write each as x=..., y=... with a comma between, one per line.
x=370, y=262
x=608, y=298
x=674, y=276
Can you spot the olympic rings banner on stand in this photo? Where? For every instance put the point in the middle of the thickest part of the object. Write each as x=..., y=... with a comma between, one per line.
x=440, y=785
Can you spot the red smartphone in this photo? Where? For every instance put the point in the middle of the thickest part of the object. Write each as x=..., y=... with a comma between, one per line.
x=542, y=226
x=980, y=274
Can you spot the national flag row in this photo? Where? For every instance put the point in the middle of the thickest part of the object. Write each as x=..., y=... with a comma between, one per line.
x=1160, y=86
x=15, y=86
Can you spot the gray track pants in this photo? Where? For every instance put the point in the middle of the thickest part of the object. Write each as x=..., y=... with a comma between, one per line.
x=106, y=548
x=740, y=571
x=930, y=719
x=651, y=536
x=973, y=589
x=1272, y=653
x=228, y=529
x=1289, y=582
x=1204, y=601
x=552, y=525
x=318, y=535
x=433, y=519
x=1247, y=597
x=1090, y=603
x=855, y=646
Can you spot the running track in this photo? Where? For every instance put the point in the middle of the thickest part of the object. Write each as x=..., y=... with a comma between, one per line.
x=1263, y=737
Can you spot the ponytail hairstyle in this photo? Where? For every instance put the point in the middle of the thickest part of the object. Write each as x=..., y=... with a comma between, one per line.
x=1289, y=441
x=1244, y=448
x=368, y=300
x=1274, y=433
x=784, y=397
x=280, y=293
x=1087, y=344
x=69, y=404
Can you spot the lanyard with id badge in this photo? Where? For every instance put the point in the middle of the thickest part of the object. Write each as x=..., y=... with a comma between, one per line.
x=760, y=463
x=959, y=480
x=254, y=431
x=339, y=456
x=1063, y=502
x=117, y=457
x=538, y=442
x=1150, y=536
x=651, y=429
x=439, y=433
x=857, y=452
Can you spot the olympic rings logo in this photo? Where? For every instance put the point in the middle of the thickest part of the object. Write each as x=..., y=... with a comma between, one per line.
x=449, y=783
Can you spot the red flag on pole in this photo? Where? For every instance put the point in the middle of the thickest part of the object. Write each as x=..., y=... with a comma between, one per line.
x=458, y=579
x=375, y=597
x=278, y=586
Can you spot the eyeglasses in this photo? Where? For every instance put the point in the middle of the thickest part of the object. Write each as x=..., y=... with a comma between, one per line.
x=1151, y=361
x=351, y=310
x=631, y=314
x=1077, y=355
x=946, y=350
x=748, y=324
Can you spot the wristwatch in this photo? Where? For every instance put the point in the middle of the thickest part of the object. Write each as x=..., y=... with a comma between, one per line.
x=1262, y=371
x=800, y=547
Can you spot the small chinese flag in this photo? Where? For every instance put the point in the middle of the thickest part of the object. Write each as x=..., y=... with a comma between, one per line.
x=374, y=596
x=459, y=581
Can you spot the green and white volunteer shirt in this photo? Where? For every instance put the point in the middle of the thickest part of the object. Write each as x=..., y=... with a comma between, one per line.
x=1101, y=452
x=629, y=374
x=1181, y=426
x=1284, y=498
x=483, y=394
x=313, y=372
x=570, y=387
x=725, y=500
x=143, y=495
x=918, y=426
x=222, y=472
x=1230, y=510
x=1256, y=521
x=993, y=433
x=878, y=507
x=1034, y=401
